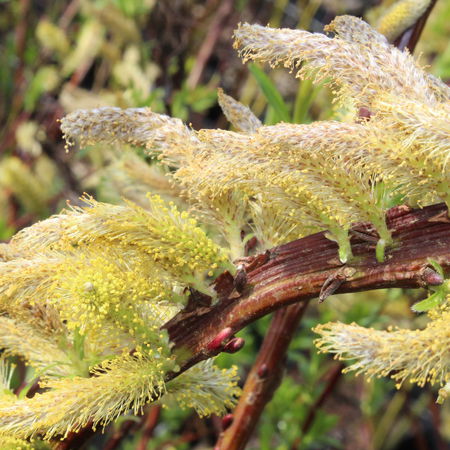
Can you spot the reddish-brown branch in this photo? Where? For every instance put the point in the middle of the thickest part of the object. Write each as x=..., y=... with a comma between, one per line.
x=21, y=30
x=435, y=412
x=297, y=271
x=76, y=440
x=263, y=379
x=119, y=435
x=266, y=373
x=149, y=424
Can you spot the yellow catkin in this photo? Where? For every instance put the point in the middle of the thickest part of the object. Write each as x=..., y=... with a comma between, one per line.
x=400, y=16
x=123, y=384
x=359, y=71
x=136, y=126
x=172, y=238
x=206, y=388
x=311, y=175
x=31, y=189
x=238, y=114
x=40, y=350
x=422, y=356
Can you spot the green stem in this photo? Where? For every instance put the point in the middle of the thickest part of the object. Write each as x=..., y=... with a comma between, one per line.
x=341, y=237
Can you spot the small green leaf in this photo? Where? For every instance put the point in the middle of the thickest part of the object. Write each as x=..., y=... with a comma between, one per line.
x=431, y=302
x=271, y=93
x=306, y=94
x=436, y=266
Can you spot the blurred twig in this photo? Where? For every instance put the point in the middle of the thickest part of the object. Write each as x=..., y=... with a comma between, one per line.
x=20, y=46
x=69, y=13
x=76, y=440
x=118, y=436
x=149, y=423
x=435, y=411
x=183, y=439
x=333, y=377
x=215, y=29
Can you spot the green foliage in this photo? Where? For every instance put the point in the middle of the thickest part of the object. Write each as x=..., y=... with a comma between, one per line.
x=187, y=100
x=6, y=231
x=279, y=111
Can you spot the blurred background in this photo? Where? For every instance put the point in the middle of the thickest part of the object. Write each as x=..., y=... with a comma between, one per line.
x=172, y=56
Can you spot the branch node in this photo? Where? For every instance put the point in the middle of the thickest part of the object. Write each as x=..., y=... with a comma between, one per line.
x=263, y=371
x=250, y=263
x=430, y=277
x=234, y=345
x=220, y=339
x=240, y=281
x=334, y=282
x=227, y=420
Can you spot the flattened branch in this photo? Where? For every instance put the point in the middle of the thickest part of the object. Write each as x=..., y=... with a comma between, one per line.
x=308, y=268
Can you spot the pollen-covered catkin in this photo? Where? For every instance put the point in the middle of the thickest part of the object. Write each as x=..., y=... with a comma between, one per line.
x=239, y=115
x=421, y=356
x=85, y=295
x=400, y=16
x=360, y=72
x=134, y=126
x=172, y=238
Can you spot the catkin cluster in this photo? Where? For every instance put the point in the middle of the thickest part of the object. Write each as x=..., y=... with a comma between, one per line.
x=84, y=294
x=83, y=297
x=285, y=181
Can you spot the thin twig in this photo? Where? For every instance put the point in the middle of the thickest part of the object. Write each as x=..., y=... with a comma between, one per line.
x=435, y=412
x=333, y=378
x=187, y=437
x=149, y=425
x=21, y=45
x=263, y=379
x=68, y=14
x=75, y=441
x=14, y=115
x=222, y=13
x=119, y=435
